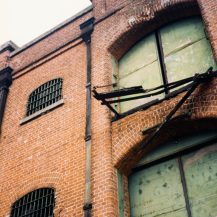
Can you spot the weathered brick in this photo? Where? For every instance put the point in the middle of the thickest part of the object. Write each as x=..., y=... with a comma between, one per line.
x=50, y=150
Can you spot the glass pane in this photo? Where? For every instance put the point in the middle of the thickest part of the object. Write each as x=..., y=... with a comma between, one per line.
x=140, y=67
x=148, y=77
x=157, y=191
x=181, y=34
x=196, y=58
x=139, y=56
x=186, y=49
x=201, y=178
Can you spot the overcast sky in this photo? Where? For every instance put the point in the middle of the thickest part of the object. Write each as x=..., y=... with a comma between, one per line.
x=23, y=20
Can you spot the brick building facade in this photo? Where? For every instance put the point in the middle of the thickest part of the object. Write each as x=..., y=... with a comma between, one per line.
x=76, y=146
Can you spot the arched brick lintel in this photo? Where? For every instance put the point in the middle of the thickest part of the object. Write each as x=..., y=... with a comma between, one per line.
x=126, y=133
x=51, y=180
x=148, y=18
x=180, y=128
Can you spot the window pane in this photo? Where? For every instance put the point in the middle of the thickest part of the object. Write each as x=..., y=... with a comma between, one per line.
x=186, y=49
x=201, y=178
x=196, y=58
x=157, y=191
x=140, y=66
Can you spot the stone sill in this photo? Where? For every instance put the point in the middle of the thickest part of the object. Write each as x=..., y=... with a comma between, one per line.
x=41, y=112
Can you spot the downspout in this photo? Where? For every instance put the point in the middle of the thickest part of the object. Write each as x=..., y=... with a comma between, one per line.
x=86, y=30
x=5, y=82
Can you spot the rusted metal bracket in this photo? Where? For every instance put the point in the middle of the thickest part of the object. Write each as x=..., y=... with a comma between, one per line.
x=109, y=98
x=198, y=79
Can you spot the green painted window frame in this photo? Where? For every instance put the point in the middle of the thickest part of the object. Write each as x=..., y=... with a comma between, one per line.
x=197, y=142
x=165, y=59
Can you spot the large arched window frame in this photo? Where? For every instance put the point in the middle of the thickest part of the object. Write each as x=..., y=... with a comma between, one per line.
x=171, y=53
x=176, y=179
x=37, y=203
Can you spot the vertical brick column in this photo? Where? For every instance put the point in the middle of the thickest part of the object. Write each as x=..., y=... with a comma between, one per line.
x=209, y=11
x=104, y=177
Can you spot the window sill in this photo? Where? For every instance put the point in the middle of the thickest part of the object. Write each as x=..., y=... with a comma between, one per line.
x=42, y=112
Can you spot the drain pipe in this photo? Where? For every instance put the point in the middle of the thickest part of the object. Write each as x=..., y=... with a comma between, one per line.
x=5, y=82
x=86, y=30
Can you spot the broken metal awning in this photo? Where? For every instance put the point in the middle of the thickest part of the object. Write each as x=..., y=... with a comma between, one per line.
x=174, y=88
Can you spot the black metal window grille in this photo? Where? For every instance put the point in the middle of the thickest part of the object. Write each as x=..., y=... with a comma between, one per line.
x=45, y=95
x=38, y=203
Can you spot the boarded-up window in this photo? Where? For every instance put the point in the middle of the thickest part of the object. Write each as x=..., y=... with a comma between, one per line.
x=177, y=181
x=183, y=48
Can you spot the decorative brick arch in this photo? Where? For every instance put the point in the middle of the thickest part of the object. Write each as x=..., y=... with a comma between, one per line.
x=145, y=16
x=127, y=137
x=48, y=180
x=126, y=133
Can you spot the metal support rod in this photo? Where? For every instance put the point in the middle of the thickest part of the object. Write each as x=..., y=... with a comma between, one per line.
x=178, y=117
x=104, y=102
x=148, y=92
x=161, y=59
x=169, y=116
x=151, y=103
x=184, y=185
x=142, y=96
x=103, y=97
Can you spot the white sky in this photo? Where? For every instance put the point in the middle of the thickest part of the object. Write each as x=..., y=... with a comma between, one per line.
x=23, y=20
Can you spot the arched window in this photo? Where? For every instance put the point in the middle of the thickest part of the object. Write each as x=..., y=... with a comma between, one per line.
x=34, y=204
x=178, y=179
x=171, y=53
x=45, y=95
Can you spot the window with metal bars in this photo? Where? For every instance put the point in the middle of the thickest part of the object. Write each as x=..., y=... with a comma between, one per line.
x=38, y=203
x=44, y=96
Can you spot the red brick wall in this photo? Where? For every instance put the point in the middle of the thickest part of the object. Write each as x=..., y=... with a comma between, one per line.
x=114, y=36
x=50, y=150
x=126, y=132
x=102, y=8
x=209, y=11
x=4, y=59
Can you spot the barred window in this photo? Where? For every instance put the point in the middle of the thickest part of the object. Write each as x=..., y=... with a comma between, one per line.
x=34, y=204
x=45, y=95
